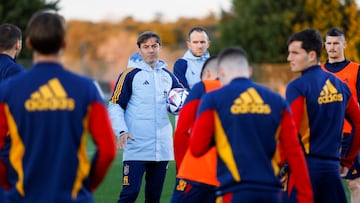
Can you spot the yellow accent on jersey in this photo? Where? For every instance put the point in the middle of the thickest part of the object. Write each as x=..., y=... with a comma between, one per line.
x=329, y=94
x=84, y=163
x=119, y=85
x=276, y=158
x=305, y=131
x=50, y=97
x=224, y=149
x=17, y=150
x=250, y=102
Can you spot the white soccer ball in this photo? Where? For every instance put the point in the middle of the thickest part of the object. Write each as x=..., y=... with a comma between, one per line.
x=175, y=100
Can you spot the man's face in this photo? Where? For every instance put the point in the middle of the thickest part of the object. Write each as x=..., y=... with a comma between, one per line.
x=198, y=43
x=299, y=59
x=150, y=50
x=335, y=46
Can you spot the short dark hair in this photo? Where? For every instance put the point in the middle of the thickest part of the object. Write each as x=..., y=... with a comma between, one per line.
x=311, y=40
x=211, y=58
x=335, y=32
x=9, y=35
x=230, y=52
x=46, y=32
x=197, y=29
x=146, y=35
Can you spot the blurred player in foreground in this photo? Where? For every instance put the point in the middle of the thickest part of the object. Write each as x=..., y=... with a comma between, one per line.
x=49, y=113
x=196, y=177
x=319, y=102
x=248, y=123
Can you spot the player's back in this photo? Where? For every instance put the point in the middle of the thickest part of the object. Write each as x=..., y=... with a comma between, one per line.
x=247, y=119
x=326, y=98
x=48, y=117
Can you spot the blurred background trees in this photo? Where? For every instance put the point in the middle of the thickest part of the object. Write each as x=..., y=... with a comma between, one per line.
x=262, y=27
x=19, y=12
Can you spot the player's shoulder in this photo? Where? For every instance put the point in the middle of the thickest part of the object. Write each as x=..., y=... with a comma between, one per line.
x=180, y=62
x=354, y=64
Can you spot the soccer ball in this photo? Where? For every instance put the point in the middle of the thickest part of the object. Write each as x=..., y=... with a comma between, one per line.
x=175, y=100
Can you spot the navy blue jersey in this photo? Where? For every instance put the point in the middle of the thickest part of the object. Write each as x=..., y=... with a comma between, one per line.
x=49, y=113
x=319, y=101
x=248, y=124
x=8, y=67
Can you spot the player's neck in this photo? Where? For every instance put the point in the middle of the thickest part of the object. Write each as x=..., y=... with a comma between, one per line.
x=37, y=58
x=10, y=53
x=336, y=60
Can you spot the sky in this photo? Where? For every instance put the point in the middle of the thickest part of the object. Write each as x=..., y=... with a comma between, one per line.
x=142, y=10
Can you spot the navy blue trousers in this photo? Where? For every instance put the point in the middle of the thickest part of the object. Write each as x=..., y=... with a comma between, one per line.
x=133, y=172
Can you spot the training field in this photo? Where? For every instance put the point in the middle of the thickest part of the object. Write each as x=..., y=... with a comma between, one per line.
x=109, y=190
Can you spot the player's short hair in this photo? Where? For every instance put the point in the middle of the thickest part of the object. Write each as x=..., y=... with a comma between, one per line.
x=311, y=40
x=197, y=29
x=335, y=32
x=233, y=57
x=211, y=59
x=230, y=52
x=9, y=35
x=46, y=32
x=146, y=35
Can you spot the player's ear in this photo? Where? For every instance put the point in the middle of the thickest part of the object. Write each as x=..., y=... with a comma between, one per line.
x=18, y=44
x=312, y=55
x=188, y=43
x=28, y=43
x=63, y=46
x=250, y=71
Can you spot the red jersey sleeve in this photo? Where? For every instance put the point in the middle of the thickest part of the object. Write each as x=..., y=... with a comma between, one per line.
x=201, y=138
x=295, y=158
x=3, y=134
x=183, y=129
x=353, y=115
x=104, y=139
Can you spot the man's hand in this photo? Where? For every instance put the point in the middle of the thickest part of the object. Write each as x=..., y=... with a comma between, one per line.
x=343, y=171
x=121, y=141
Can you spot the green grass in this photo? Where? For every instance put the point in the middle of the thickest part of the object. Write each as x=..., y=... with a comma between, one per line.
x=110, y=188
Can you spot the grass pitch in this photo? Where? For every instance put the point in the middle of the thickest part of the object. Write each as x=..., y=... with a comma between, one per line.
x=110, y=188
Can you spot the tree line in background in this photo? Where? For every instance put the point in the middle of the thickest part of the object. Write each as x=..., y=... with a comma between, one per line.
x=261, y=27
x=19, y=12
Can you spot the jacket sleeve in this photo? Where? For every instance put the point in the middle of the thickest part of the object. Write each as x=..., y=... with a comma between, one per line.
x=186, y=121
x=358, y=85
x=3, y=134
x=103, y=136
x=180, y=67
x=353, y=115
x=183, y=129
x=202, y=136
x=117, y=118
x=119, y=100
x=295, y=158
